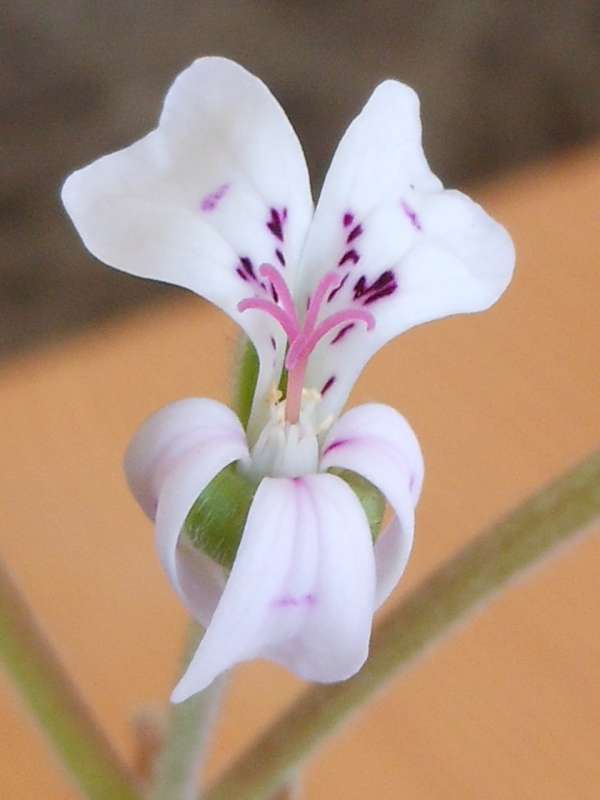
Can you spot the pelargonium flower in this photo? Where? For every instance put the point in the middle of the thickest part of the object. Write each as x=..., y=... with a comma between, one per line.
x=217, y=199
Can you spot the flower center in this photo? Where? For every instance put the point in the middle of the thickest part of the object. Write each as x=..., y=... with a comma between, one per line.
x=304, y=336
x=285, y=449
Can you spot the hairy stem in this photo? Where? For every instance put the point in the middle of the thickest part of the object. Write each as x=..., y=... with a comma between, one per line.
x=55, y=703
x=187, y=738
x=535, y=529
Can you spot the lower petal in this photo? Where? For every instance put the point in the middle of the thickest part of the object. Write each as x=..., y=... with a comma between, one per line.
x=301, y=588
x=333, y=643
x=376, y=442
x=170, y=461
x=168, y=436
x=196, y=578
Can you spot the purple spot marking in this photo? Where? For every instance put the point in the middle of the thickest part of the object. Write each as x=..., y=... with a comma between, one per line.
x=241, y=273
x=274, y=293
x=341, y=333
x=275, y=223
x=273, y=343
x=412, y=216
x=349, y=255
x=378, y=295
x=212, y=200
x=289, y=601
x=348, y=219
x=335, y=445
x=328, y=384
x=333, y=292
x=383, y=286
x=280, y=257
x=354, y=233
x=247, y=266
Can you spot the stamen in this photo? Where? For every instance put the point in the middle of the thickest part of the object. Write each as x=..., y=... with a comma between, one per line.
x=288, y=324
x=302, y=347
x=316, y=300
x=281, y=288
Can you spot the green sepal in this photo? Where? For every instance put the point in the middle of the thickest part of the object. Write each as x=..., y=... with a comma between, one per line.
x=371, y=499
x=216, y=521
x=246, y=377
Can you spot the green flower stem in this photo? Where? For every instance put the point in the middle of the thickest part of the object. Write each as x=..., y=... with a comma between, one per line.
x=550, y=518
x=187, y=737
x=54, y=702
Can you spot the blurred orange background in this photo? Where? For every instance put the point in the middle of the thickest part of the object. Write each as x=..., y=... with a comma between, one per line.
x=510, y=705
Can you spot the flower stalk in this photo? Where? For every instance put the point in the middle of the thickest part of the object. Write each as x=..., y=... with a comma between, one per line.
x=554, y=516
x=55, y=704
x=187, y=737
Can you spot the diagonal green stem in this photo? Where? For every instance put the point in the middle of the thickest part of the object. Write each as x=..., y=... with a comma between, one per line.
x=54, y=702
x=550, y=518
x=187, y=738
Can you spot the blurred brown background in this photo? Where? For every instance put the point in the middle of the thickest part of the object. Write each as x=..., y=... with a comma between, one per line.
x=501, y=83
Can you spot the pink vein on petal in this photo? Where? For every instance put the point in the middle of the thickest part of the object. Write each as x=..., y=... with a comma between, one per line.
x=334, y=445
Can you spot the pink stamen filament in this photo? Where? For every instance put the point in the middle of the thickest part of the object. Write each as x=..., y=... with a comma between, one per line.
x=303, y=346
x=288, y=323
x=302, y=338
x=281, y=287
x=327, y=283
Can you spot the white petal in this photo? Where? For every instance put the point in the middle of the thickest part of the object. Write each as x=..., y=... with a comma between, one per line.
x=191, y=200
x=377, y=442
x=301, y=588
x=171, y=460
x=334, y=641
x=167, y=437
x=384, y=217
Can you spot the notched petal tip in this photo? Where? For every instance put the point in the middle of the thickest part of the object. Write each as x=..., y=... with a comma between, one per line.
x=392, y=90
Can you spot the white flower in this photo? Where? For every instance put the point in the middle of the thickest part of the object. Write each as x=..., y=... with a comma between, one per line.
x=217, y=199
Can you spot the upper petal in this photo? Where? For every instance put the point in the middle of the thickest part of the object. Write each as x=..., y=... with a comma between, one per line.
x=377, y=442
x=411, y=251
x=218, y=188
x=171, y=460
x=301, y=588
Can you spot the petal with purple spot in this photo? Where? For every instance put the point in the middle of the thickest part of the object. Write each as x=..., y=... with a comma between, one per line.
x=192, y=199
